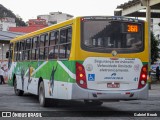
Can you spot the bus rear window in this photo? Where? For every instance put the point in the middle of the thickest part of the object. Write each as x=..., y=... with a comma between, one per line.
x=107, y=35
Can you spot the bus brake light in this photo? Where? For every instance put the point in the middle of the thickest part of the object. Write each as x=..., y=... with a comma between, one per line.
x=80, y=75
x=143, y=77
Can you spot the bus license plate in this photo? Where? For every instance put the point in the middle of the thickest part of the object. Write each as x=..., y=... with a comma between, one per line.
x=115, y=85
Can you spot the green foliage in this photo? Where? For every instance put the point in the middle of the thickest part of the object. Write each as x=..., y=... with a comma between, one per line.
x=4, y=12
x=154, y=48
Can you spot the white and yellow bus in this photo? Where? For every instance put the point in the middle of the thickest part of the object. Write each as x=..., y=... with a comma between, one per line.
x=92, y=58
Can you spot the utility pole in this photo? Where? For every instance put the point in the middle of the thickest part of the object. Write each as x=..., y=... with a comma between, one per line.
x=148, y=19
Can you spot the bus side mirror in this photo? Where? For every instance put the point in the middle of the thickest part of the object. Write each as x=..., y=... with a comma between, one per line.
x=7, y=54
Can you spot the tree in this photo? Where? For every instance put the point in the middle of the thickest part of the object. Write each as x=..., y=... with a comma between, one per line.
x=154, y=48
x=4, y=12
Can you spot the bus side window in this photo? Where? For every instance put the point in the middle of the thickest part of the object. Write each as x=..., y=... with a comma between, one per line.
x=10, y=55
x=53, y=48
x=16, y=51
x=37, y=48
x=41, y=45
x=53, y=38
x=42, y=41
x=22, y=45
x=24, y=52
x=46, y=40
x=15, y=54
x=65, y=43
x=28, y=49
x=69, y=39
x=69, y=35
x=34, y=48
x=46, y=46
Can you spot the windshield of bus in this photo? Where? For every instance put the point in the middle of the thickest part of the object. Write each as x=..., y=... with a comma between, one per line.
x=105, y=35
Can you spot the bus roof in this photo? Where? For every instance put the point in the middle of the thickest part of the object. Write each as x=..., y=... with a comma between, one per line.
x=43, y=30
x=70, y=21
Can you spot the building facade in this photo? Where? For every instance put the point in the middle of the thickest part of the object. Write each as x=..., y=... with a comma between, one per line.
x=55, y=17
x=5, y=37
x=7, y=22
x=33, y=25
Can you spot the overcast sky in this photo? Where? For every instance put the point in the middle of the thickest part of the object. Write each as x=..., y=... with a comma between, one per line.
x=29, y=9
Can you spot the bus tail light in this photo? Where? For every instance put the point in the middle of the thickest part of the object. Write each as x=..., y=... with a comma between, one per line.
x=81, y=75
x=143, y=77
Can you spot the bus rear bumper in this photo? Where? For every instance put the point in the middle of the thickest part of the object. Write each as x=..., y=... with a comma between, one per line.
x=80, y=93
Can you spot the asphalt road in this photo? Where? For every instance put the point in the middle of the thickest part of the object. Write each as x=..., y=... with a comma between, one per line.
x=75, y=109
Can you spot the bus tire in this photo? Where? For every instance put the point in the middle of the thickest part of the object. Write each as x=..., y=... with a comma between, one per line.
x=93, y=102
x=17, y=91
x=42, y=100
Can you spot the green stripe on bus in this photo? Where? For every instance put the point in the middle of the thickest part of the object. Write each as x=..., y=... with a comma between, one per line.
x=46, y=70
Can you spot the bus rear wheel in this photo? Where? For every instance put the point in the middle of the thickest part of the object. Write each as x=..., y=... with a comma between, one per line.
x=45, y=102
x=17, y=91
x=93, y=102
x=42, y=99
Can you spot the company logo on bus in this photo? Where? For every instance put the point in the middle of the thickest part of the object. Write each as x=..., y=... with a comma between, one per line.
x=114, y=53
x=114, y=77
x=89, y=67
x=113, y=74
